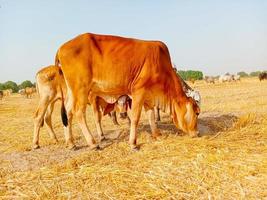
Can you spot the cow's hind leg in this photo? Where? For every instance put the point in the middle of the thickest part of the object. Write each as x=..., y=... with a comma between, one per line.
x=98, y=116
x=67, y=115
x=38, y=121
x=80, y=112
x=48, y=122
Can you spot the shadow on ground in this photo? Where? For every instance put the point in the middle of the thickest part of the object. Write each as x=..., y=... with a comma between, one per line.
x=208, y=124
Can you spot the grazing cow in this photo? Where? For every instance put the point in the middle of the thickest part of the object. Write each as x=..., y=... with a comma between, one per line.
x=21, y=92
x=7, y=92
x=51, y=84
x=236, y=77
x=262, y=76
x=114, y=66
x=209, y=79
x=29, y=91
x=1, y=94
x=226, y=78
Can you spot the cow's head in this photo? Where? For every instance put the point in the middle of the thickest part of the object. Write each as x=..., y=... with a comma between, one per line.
x=185, y=115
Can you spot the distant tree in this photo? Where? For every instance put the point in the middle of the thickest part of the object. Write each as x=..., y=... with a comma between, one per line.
x=242, y=74
x=2, y=86
x=191, y=75
x=256, y=73
x=11, y=85
x=25, y=84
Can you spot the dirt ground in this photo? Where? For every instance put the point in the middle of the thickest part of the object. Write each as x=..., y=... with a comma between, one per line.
x=228, y=161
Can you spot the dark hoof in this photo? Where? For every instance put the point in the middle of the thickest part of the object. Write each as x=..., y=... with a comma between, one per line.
x=95, y=147
x=135, y=148
x=103, y=139
x=72, y=147
x=36, y=146
x=156, y=135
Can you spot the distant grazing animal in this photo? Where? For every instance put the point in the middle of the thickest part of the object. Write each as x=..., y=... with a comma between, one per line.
x=115, y=66
x=226, y=78
x=1, y=94
x=209, y=79
x=7, y=92
x=21, y=92
x=236, y=77
x=29, y=91
x=51, y=86
x=262, y=76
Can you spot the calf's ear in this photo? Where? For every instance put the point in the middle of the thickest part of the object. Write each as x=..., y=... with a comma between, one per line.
x=109, y=108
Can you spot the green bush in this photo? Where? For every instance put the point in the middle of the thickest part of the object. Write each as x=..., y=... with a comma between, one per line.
x=190, y=74
x=25, y=84
x=11, y=85
x=255, y=73
x=242, y=74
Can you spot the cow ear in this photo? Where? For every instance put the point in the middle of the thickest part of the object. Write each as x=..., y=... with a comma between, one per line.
x=109, y=108
x=129, y=102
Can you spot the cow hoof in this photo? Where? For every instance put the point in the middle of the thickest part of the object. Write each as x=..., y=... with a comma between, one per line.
x=103, y=139
x=36, y=146
x=135, y=148
x=72, y=147
x=95, y=147
x=156, y=135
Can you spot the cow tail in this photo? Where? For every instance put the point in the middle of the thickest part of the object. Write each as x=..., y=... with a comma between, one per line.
x=64, y=116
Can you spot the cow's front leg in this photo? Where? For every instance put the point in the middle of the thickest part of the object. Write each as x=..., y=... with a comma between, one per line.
x=153, y=125
x=137, y=104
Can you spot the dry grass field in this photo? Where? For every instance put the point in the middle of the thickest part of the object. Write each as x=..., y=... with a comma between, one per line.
x=228, y=161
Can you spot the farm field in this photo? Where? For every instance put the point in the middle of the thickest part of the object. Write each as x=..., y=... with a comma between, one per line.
x=228, y=161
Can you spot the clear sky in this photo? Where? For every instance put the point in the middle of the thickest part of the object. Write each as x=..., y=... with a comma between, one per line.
x=212, y=36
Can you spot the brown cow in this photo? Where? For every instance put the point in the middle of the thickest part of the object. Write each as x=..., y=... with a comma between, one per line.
x=51, y=85
x=1, y=94
x=29, y=91
x=262, y=76
x=114, y=66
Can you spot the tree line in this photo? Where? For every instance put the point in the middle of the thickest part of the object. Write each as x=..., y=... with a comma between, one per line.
x=16, y=87
x=198, y=75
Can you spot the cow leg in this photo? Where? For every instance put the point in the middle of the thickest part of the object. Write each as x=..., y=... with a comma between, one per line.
x=81, y=118
x=137, y=103
x=98, y=116
x=48, y=122
x=151, y=119
x=113, y=116
x=38, y=121
x=157, y=113
x=68, y=128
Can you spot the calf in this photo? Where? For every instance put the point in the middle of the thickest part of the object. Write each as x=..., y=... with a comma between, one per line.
x=51, y=87
x=209, y=79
